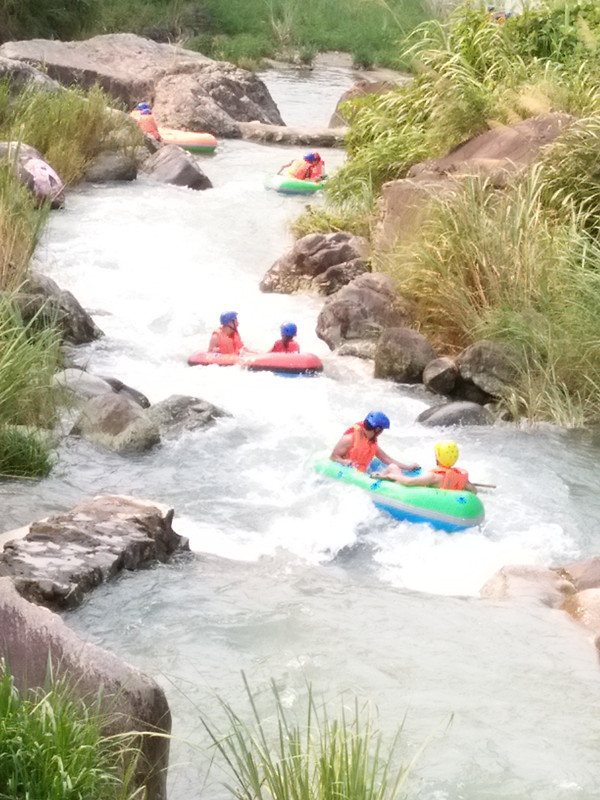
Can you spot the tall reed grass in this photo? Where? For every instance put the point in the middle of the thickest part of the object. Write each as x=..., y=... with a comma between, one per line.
x=494, y=265
x=277, y=758
x=68, y=127
x=52, y=747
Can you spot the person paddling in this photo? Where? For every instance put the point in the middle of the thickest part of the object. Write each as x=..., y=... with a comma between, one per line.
x=308, y=168
x=359, y=446
x=443, y=476
x=226, y=340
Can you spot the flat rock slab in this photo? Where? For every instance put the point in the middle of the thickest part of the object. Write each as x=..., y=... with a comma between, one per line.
x=61, y=558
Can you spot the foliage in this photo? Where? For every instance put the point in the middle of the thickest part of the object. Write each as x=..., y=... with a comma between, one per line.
x=352, y=215
x=24, y=453
x=29, y=358
x=51, y=747
x=495, y=265
x=68, y=127
x=61, y=19
x=21, y=224
x=324, y=759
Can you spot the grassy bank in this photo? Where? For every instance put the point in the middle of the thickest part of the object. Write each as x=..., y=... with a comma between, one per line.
x=240, y=31
x=69, y=128
x=52, y=747
x=519, y=266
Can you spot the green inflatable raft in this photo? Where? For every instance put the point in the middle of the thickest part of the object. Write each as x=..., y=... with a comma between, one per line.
x=444, y=509
x=288, y=185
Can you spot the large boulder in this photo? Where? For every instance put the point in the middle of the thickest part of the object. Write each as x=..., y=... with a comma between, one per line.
x=22, y=75
x=360, y=89
x=188, y=90
x=489, y=366
x=180, y=413
x=41, y=298
x=116, y=422
x=34, y=641
x=496, y=156
x=456, y=413
x=173, y=165
x=34, y=172
x=321, y=261
x=61, y=558
x=362, y=310
x=402, y=354
x=111, y=166
x=440, y=375
x=545, y=586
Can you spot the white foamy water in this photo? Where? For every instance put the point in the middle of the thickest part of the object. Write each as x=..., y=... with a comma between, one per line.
x=293, y=578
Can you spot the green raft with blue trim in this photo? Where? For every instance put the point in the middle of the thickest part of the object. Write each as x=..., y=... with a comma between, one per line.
x=285, y=184
x=445, y=509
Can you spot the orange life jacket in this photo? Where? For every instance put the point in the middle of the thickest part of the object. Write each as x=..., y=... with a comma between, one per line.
x=299, y=169
x=229, y=345
x=452, y=477
x=361, y=451
x=315, y=171
x=146, y=122
x=279, y=347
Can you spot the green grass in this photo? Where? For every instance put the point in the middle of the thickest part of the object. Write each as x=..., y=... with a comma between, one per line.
x=24, y=453
x=498, y=266
x=68, y=127
x=52, y=748
x=274, y=757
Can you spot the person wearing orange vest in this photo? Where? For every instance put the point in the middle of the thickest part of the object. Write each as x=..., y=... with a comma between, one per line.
x=443, y=476
x=142, y=114
x=359, y=444
x=286, y=344
x=226, y=340
x=308, y=168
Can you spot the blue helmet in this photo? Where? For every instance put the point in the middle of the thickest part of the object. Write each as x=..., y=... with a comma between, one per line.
x=143, y=106
x=312, y=157
x=227, y=317
x=289, y=329
x=377, y=419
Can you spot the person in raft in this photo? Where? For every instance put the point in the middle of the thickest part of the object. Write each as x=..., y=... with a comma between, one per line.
x=359, y=446
x=286, y=344
x=443, y=476
x=226, y=340
x=309, y=168
x=142, y=114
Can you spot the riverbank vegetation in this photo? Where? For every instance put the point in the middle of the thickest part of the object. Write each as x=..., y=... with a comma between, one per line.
x=52, y=747
x=69, y=128
x=520, y=264
x=273, y=757
x=240, y=31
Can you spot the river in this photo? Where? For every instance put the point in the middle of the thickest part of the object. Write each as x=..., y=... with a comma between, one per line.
x=293, y=579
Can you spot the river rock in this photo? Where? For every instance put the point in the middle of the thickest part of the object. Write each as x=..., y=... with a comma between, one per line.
x=489, y=366
x=362, y=310
x=456, y=413
x=440, y=375
x=180, y=413
x=63, y=557
x=402, y=354
x=322, y=261
x=173, y=165
x=584, y=606
x=114, y=421
x=33, y=640
x=584, y=574
x=34, y=172
x=544, y=586
x=42, y=299
x=179, y=83
x=361, y=88
x=84, y=385
x=22, y=75
x=496, y=156
x=283, y=134
x=111, y=166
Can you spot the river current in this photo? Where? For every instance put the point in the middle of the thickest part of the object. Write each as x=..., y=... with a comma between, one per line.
x=293, y=579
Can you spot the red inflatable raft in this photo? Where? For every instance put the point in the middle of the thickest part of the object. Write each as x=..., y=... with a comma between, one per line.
x=281, y=363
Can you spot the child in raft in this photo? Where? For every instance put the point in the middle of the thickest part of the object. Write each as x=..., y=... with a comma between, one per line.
x=443, y=476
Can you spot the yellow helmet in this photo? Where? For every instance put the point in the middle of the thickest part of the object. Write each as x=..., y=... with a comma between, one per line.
x=446, y=453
